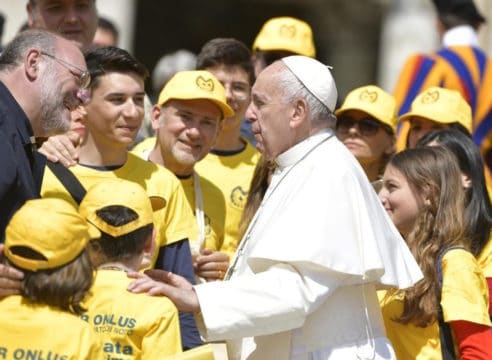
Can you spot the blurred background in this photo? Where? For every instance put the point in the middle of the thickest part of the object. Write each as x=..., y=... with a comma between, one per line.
x=366, y=41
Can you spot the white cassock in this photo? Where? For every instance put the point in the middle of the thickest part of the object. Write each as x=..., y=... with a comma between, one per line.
x=302, y=283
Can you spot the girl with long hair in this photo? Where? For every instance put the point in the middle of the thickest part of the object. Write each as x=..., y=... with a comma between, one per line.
x=423, y=195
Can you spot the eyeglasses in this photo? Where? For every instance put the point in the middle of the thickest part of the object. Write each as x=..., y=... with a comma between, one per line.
x=83, y=75
x=367, y=126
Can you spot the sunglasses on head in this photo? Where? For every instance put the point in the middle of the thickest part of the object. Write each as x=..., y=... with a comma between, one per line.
x=366, y=126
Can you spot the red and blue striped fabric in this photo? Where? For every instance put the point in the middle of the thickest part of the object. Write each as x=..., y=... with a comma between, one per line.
x=463, y=68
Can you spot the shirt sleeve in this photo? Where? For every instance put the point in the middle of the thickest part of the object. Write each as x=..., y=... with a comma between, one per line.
x=164, y=338
x=275, y=300
x=465, y=294
x=474, y=340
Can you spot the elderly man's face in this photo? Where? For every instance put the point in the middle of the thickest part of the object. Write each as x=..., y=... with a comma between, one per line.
x=60, y=87
x=75, y=20
x=269, y=114
x=186, y=130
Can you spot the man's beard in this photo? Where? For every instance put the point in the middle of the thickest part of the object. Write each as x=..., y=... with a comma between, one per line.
x=52, y=104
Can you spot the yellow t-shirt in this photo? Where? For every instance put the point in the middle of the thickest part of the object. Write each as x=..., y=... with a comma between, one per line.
x=464, y=297
x=485, y=259
x=213, y=207
x=232, y=174
x=173, y=223
x=131, y=326
x=144, y=145
x=35, y=331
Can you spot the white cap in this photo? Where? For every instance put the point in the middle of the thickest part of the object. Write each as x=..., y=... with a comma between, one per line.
x=315, y=76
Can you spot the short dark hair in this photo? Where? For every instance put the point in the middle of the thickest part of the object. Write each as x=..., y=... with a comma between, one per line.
x=63, y=287
x=104, y=60
x=108, y=25
x=13, y=54
x=226, y=51
x=125, y=246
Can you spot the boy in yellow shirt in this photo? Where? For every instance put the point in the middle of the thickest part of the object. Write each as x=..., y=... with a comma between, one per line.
x=131, y=326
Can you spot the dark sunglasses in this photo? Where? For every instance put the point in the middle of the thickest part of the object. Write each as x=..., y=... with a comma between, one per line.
x=367, y=126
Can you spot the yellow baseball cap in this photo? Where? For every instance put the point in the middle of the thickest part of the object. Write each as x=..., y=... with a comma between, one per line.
x=441, y=105
x=287, y=34
x=373, y=101
x=46, y=233
x=196, y=84
x=123, y=193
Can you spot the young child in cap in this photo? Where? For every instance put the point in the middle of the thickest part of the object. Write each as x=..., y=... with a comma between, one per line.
x=366, y=124
x=131, y=326
x=433, y=109
x=46, y=239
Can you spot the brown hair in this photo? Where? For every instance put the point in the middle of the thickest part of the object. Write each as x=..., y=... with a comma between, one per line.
x=63, y=287
x=257, y=190
x=434, y=173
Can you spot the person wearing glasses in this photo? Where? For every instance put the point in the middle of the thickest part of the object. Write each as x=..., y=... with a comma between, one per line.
x=231, y=162
x=42, y=79
x=366, y=124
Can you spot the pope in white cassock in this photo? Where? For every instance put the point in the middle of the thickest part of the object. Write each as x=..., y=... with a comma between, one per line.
x=303, y=282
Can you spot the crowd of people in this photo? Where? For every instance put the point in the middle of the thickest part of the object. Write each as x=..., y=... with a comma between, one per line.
x=256, y=219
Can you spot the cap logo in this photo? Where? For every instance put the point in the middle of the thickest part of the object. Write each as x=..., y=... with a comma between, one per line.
x=430, y=97
x=287, y=31
x=368, y=96
x=205, y=84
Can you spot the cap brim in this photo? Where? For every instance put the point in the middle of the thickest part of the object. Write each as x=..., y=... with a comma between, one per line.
x=411, y=114
x=341, y=111
x=226, y=109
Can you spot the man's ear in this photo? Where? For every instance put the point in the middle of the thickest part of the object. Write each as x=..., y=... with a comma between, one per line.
x=31, y=64
x=30, y=15
x=298, y=113
x=156, y=116
x=149, y=247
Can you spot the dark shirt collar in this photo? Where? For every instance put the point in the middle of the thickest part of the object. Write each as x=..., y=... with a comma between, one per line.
x=22, y=123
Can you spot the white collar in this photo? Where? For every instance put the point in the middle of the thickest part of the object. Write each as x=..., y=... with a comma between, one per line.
x=295, y=153
x=460, y=36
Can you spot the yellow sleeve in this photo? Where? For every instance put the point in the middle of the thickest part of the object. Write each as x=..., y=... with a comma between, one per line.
x=179, y=221
x=164, y=338
x=464, y=291
x=485, y=259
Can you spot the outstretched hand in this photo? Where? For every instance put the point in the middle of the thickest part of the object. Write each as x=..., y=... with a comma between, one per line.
x=10, y=279
x=159, y=282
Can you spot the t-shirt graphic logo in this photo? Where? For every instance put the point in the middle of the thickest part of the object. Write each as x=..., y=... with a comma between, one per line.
x=205, y=84
x=238, y=196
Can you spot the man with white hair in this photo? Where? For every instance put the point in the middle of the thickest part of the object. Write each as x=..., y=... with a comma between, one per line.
x=303, y=282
